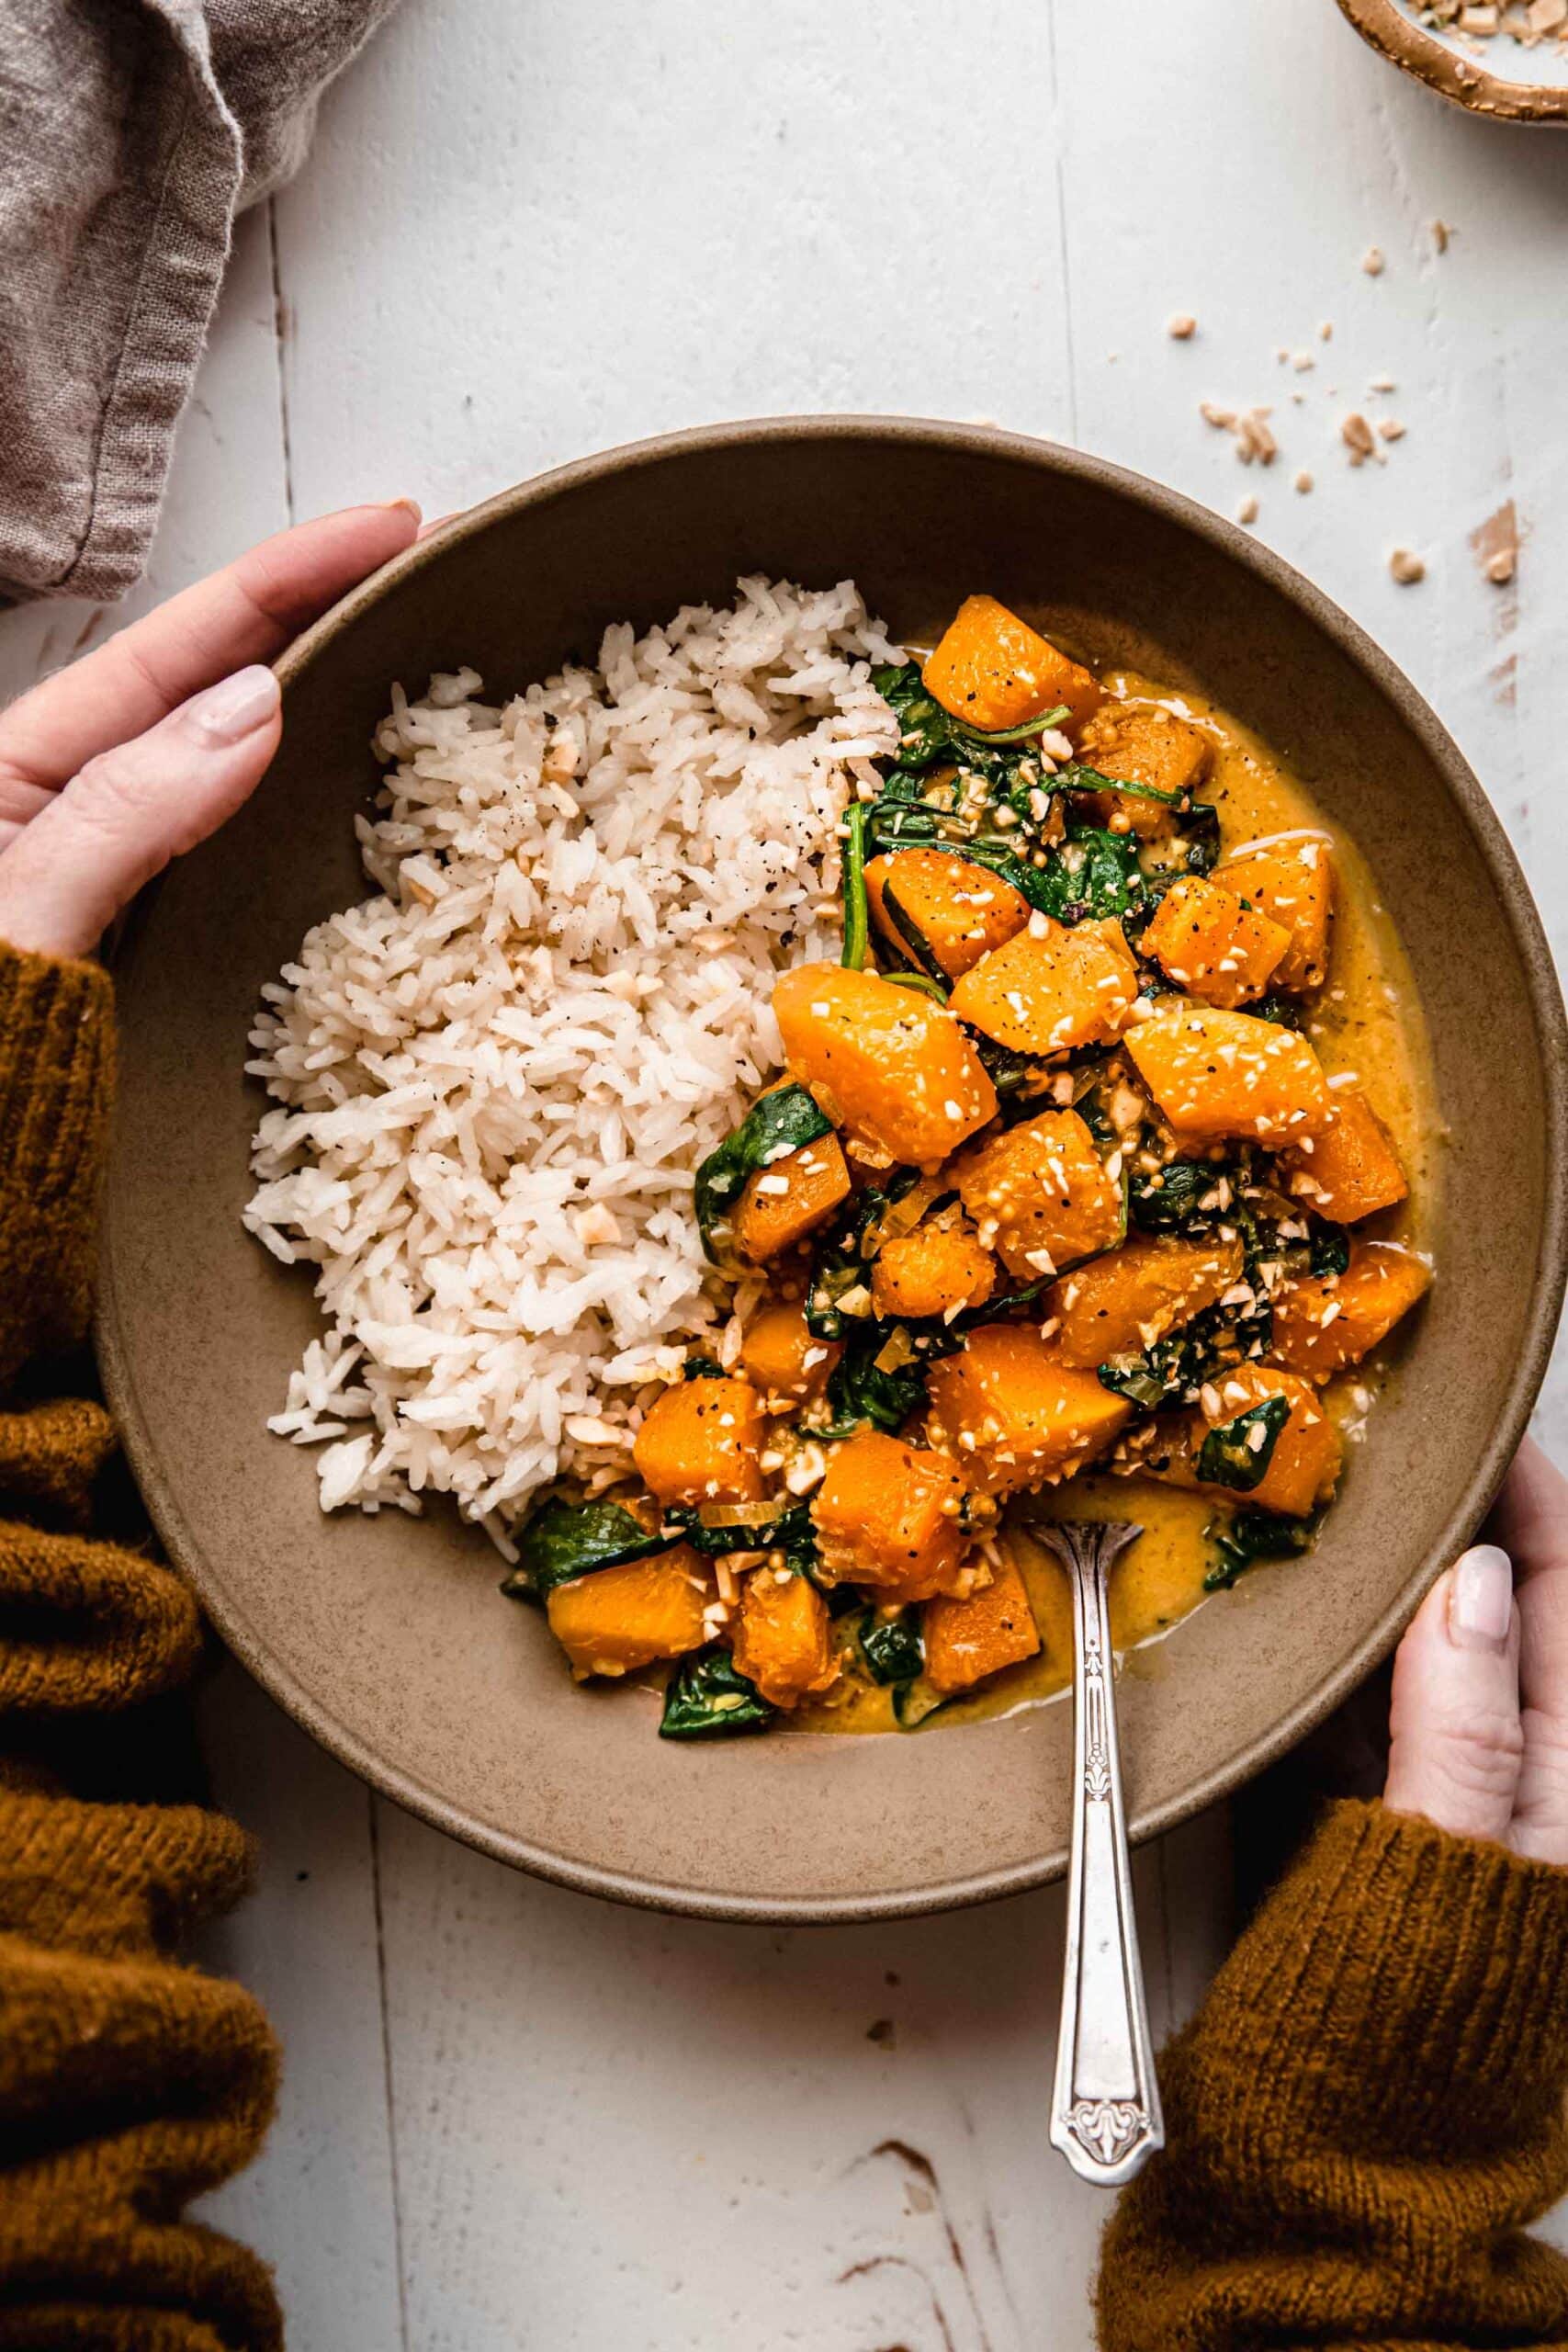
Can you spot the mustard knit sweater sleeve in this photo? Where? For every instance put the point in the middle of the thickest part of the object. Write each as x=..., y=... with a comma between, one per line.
x=1363, y=2115
x=129, y=2082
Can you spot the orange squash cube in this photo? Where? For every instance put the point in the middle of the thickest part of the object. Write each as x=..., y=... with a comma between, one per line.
x=1215, y=1074
x=1292, y=879
x=1331, y=1320
x=1352, y=1169
x=614, y=1620
x=1038, y=1194
x=1014, y=1414
x=960, y=909
x=779, y=1205
x=1133, y=1296
x=1142, y=746
x=993, y=671
x=1053, y=988
x=887, y=1515
x=782, y=1358
x=937, y=1270
x=1304, y=1469
x=967, y=1640
x=886, y=1063
x=781, y=1637
x=699, y=1444
x=1211, y=945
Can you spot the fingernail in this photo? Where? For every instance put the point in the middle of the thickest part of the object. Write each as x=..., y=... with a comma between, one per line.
x=1481, y=1599
x=409, y=505
x=235, y=706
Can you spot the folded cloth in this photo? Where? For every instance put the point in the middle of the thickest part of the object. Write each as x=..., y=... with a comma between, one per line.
x=130, y=136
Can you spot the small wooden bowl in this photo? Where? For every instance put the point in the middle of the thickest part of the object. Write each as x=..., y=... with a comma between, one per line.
x=386, y=1636
x=1451, y=71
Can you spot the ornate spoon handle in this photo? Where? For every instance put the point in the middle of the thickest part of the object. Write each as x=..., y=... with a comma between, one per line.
x=1105, y=2115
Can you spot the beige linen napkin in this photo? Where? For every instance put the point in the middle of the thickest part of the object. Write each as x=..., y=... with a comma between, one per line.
x=132, y=132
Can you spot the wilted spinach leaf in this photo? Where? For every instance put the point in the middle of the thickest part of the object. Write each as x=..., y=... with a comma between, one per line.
x=1330, y=1249
x=776, y=1123
x=1175, y=1368
x=1180, y=1196
x=788, y=1531
x=1198, y=832
x=709, y=1698
x=1074, y=776
x=562, y=1541
x=703, y=1368
x=1093, y=874
x=891, y=1646
x=1228, y=1457
x=860, y=1394
x=857, y=916
x=914, y=1701
x=925, y=729
x=1250, y=1536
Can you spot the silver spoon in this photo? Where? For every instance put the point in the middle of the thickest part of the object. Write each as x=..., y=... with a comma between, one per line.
x=1105, y=2113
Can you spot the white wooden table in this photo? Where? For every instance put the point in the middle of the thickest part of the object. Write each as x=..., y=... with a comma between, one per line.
x=512, y=2116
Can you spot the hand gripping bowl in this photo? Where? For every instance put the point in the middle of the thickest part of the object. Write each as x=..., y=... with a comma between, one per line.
x=385, y=1637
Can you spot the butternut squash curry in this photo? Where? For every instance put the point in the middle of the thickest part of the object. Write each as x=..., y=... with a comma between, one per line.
x=1060, y=1211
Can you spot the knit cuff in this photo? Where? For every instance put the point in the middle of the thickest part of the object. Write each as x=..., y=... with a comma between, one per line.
x=1411, y=1984
x=56, y=1070
x=55, y=1048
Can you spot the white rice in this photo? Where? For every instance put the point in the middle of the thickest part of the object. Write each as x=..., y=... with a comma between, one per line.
x=496, y=1077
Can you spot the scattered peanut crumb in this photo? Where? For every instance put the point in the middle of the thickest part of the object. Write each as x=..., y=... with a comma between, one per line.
x=1326, y=332
x=1372, y=261
x=1389, y=429
x=1302, y=361
x=1500, y=568
x=1181, y=326
x=1382, y=384
x=1254, y=439
x=1441, y=232
x=1303, y=482
x=1250, y=426
x=1357, y=435
x=1247, y=511
x=1407, y=569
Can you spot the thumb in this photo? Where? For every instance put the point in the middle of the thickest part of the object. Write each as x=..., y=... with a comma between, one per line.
x=1456, y=1740
x=132, y=808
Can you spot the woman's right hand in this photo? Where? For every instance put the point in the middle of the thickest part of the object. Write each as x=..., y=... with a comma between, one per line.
x=1479, y=1724
x=142, y=749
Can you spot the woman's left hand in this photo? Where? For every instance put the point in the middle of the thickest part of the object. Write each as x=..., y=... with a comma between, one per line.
x=1479, y=1726
x=141, y=749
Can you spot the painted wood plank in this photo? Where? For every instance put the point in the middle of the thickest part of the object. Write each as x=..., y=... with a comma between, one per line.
x=614, y=2127
x=531, y=232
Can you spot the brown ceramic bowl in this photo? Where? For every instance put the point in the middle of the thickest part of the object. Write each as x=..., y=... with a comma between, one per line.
x=385, y=1637
x=1463, y=74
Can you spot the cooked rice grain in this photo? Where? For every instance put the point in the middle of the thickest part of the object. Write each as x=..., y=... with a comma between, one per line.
x=496, y=1077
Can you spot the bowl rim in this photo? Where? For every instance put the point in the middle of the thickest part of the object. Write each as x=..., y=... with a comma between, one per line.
x=1385, y=26
x=1491, y=844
